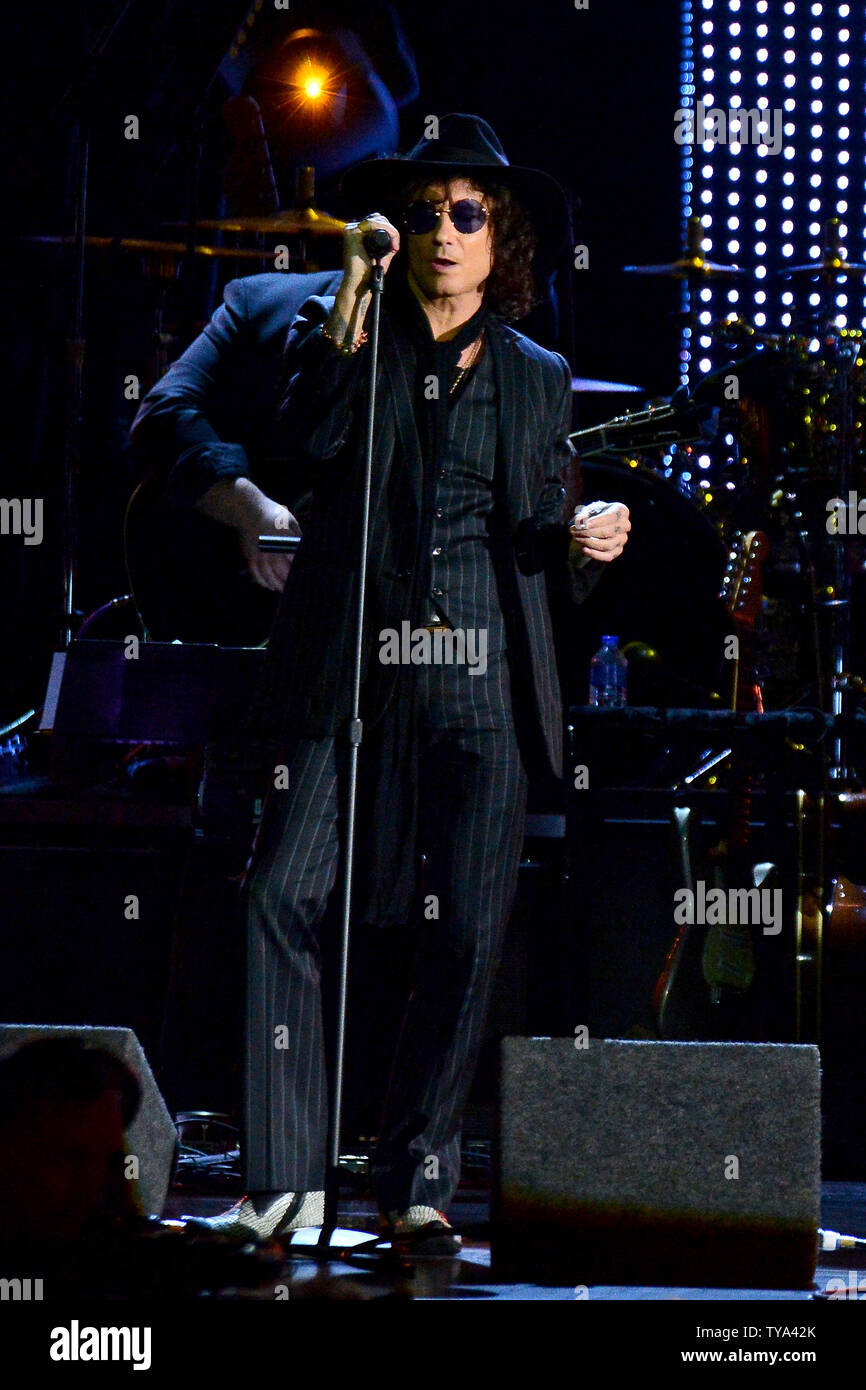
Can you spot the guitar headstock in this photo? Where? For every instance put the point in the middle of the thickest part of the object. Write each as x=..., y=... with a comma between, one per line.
x=741, y=585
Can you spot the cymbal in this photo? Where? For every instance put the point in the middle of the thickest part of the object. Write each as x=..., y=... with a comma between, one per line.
x=289, y=222
x=164, y=248
x=585, y=384
x=834, y=266
x=687, y=268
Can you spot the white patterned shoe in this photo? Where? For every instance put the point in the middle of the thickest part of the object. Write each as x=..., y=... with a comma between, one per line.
x=420, y=1232
x=289, y=1212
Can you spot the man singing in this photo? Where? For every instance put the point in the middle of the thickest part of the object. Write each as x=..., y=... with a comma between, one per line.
x=469, y=522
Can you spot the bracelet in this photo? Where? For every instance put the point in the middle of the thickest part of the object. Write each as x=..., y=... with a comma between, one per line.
x=345, y=349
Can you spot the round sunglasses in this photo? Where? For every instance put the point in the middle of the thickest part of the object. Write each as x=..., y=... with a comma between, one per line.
x=467, y=215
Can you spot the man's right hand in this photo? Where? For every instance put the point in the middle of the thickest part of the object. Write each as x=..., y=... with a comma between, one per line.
x=352, y=299
x=357, y=264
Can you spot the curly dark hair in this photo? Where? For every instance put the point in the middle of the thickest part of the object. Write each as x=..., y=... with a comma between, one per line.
x=510, y=290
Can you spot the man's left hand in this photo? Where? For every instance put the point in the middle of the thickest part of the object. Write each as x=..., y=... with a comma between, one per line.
x=598, y=534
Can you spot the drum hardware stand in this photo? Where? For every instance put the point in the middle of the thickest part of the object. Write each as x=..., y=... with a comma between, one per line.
x=77, y=98
x=840, y=604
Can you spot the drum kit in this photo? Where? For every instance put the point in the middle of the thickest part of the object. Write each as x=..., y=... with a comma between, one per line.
x=774, y=440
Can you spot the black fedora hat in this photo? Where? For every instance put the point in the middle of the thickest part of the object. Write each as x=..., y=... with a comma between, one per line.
x=465, y=145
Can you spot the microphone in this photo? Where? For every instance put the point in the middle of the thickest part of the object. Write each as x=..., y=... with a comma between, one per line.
x=377, y=243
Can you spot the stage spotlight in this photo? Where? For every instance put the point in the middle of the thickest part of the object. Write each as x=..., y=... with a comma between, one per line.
x=323, y=99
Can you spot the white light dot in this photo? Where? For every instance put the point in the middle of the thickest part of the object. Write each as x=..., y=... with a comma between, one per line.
x=760, y=320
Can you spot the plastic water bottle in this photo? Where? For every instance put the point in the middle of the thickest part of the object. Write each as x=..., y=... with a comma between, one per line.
x=608, y=676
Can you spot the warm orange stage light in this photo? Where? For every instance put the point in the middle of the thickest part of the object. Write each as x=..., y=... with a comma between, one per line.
x=312, y=81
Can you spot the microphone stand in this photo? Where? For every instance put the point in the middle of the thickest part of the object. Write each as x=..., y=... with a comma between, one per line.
x=355, y=732
x=361, y=1251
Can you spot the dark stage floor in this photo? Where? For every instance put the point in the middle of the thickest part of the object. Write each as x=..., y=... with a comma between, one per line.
x=840, y=1275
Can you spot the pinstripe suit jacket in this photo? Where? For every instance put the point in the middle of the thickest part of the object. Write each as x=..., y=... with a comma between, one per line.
x=307, y=686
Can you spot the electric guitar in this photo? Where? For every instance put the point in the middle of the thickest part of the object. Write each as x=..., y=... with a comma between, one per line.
x=188, y=576
x=709, y=969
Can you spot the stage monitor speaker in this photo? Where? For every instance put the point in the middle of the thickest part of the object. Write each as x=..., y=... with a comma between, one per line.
x=152, y=1136
x=689, y=1164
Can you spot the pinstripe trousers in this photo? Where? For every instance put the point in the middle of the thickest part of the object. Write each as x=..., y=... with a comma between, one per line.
x=472, y=801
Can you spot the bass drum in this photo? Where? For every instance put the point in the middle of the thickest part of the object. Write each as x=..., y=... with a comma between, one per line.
x=661, y=593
